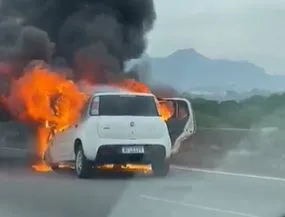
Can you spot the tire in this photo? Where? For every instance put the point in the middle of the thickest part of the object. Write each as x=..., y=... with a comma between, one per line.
x=160, y=168
x=54, y=167
x=82, y=167
x=47, y=159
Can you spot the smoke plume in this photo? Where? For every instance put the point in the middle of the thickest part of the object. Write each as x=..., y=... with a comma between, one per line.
x=86, y=35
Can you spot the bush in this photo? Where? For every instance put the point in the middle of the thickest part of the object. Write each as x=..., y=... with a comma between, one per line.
x=254, y=112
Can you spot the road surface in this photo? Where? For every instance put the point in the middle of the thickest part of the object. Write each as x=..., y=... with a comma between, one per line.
x=186, y=192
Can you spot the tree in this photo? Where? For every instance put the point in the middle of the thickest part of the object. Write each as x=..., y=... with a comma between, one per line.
x=256, y=111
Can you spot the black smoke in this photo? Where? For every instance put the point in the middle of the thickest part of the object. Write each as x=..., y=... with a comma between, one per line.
x=81, y=38
x=86, y=35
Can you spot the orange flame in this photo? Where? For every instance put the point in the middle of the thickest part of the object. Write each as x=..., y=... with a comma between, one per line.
x=46, y=99
x=134, y=86
x=165, y=110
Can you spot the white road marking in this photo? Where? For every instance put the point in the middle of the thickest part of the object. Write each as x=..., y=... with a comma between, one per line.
x=229, y=129
x=190, y=205
x=219, y=172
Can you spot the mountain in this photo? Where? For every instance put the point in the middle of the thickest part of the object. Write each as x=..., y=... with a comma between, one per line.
x=188, y=70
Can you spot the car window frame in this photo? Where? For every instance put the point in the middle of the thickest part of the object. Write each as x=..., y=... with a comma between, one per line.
x=153, y=98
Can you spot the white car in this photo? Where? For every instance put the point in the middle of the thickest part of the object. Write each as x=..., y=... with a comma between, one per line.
x=115, y=128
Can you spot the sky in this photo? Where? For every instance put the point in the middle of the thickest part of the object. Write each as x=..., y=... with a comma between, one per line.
x=251, y=30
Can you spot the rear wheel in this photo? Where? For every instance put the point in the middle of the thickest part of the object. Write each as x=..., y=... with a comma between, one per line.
x=54, y=167
x=48, y=161
x=82, y=167
x=160, y=168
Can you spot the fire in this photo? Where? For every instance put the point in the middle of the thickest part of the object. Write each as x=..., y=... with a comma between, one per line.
x=47, y=100
x=44, y=97
x=53, y=103
x=134, y=86
x=165, y=110
x=41, y=167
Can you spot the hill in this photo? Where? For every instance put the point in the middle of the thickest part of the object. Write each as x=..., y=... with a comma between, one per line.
x=188, y=70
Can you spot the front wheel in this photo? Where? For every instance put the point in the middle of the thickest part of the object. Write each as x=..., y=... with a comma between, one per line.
x=48, y=161
x=82, y=167
x=161, y=168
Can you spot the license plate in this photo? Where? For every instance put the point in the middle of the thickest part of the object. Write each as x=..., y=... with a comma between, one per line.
x=133, y=150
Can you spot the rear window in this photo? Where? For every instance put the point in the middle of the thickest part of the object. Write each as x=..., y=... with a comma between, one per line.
x=127, y=105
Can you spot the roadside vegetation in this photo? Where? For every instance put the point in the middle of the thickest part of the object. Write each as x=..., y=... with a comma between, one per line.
x=254, y=112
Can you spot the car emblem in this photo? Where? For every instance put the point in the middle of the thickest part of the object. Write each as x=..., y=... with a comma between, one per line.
x=132, y=124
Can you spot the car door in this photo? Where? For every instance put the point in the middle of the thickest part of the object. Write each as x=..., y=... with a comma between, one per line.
x=181, y=125
x=62, y=143
x=67, y=137
x=53, y=150
x=56, y=146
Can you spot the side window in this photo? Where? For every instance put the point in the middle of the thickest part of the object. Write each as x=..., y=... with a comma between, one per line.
x=183, y=111
x=166, y=108
x=94, y=109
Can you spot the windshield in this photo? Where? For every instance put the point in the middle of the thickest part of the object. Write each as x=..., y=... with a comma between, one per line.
x=127, y=105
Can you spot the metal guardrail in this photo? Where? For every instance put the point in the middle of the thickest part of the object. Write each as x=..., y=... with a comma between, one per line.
x=15, y=135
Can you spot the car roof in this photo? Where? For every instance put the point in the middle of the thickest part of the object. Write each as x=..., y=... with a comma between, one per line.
x=174, y=98
x=108, y=90
x=123, y=93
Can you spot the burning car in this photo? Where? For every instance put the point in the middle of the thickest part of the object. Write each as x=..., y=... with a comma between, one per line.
x=121, y=127
x=60, y=110
x=113, y=129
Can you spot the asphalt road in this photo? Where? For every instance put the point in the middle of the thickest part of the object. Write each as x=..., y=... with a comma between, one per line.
x=25, y=193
